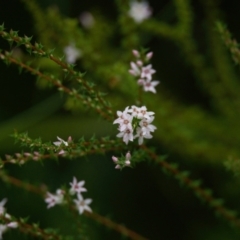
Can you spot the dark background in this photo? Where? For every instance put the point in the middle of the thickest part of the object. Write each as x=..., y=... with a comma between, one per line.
x=144, y=199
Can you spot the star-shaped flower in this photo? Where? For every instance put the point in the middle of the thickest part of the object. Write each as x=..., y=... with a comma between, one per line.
x=53, y=199
x=147, y=72
x=82, y=204
x=60, y=141
x=77, y=187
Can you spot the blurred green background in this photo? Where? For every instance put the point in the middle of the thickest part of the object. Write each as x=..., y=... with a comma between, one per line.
x=144, y=199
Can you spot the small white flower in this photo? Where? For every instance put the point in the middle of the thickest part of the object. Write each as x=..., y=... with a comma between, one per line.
x=141, y=136
x=147, y=72
x=82, y=204
x=72, y=53
x=135, y=71
x=53, y=199
x=77, y=187
x=139, y=11
x=148, y=85
x=60, y=141
x=146, y=125
x=127, y=135
x=143, y=113
x=86, y=19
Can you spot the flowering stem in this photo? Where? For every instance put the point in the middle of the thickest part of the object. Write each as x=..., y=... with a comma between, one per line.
x=203, y=194
x=117, y=227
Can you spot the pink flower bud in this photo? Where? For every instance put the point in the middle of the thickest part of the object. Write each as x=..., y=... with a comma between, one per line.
x=114, y=159
x=139, y=63
x=127, y=163
x=149, y=55
x=136, y=53
x=128, y=156
x=117, y=167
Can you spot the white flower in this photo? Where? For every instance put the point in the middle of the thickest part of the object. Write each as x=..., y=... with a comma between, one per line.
x=82, y=204
x=127, y=135
x=147, y=72
x=135, y=71
x=146, y=126
x=141, y=136
x=77, y=187
x=60, y=141
x=86, y=19
x=148, y=85
x=53, y=199
x=2, y=208
x=143, y=113
x=72, y=53
x=139, y=11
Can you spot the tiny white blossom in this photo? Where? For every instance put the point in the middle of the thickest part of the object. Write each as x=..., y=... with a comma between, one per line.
x=53, y=199
x=77, y=187
x=82, y=204
x=141, y=135
x=60, y=141
x=72, y=53
x=148, y=85
x=139, y=11
x=127, y=135
x=135, y=71
x=146, y=125
x=147, y=72
x=86, y=19
x=143, y=113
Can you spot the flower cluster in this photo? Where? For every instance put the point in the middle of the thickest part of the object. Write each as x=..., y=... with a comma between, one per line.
x=123, y=161
x=61, y=142
x=135, y=123
x=5, y=227
x=76, y=188
x=143, y=72
x=139, y=11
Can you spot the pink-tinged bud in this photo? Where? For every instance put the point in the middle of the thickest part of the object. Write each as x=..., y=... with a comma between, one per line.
x=127, y=163
x=18, y=155
x=114, y=159
x=26, y=154
x=12, y=225
x=36, y=153
x=139, y=63
x=117, y=167
x=149, y=55
x=69, y=139
x=136, y=53
x=128, y=156
x=61, y=152
x=140, y=82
